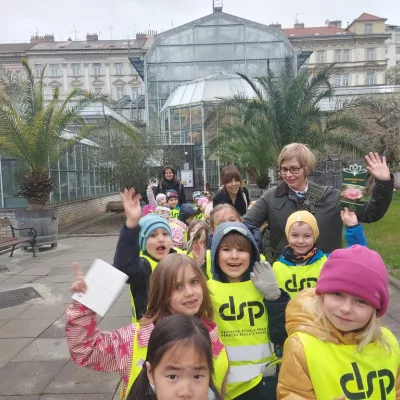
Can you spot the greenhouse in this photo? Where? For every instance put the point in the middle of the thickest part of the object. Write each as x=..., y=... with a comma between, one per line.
x=189, y=68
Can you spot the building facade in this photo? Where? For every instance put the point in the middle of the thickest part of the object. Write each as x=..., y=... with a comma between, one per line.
x=359, y=51
x=100, y=66
x=393, y=45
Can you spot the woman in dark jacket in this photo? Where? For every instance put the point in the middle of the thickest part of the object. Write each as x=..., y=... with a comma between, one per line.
x=231, y=191
x=170, y=181
x=296, y=192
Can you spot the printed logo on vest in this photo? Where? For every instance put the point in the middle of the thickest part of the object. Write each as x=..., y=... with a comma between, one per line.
x=291, y=285
x=380, y=378
x=255, y=310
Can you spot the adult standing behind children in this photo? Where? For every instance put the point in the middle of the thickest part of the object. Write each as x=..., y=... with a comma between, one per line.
x=169, y=181
x=296, y=192
x=231, y=191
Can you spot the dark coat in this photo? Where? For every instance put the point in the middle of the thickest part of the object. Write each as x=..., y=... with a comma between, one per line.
x=164, y=187
x=278, y=203
x=127, y=259
x=222, y=197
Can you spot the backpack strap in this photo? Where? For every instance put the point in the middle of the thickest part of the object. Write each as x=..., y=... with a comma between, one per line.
x=314, y=194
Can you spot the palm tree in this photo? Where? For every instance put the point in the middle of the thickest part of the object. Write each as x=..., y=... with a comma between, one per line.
x=32, y=131
x=285, y=109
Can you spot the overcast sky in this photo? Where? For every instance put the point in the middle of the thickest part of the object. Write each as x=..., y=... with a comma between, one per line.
x=122, y=18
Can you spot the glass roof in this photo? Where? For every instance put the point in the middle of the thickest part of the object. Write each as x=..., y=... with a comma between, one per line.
x=209, y=89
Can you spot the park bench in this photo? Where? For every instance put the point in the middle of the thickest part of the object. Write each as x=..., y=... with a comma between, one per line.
x=12, y=241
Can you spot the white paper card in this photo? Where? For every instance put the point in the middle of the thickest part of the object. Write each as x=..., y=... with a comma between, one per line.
x=104, y=283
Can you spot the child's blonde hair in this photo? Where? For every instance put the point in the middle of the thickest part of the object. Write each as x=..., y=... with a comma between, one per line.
x=371, y=333
x=220, y=207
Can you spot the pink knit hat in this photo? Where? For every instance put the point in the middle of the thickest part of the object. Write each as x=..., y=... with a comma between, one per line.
x=358, y=271
x=148, y=209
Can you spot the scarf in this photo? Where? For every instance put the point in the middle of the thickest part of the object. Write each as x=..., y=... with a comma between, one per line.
x=290, y=255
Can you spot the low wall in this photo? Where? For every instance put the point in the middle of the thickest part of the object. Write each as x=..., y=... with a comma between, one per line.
x=70, y=212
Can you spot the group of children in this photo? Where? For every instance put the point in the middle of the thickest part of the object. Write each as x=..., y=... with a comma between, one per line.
x=208, y=325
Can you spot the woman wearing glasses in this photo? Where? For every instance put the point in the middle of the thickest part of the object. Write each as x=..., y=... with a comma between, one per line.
x=296, y=192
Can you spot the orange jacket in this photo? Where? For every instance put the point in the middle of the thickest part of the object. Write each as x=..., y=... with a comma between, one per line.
x=294, y=379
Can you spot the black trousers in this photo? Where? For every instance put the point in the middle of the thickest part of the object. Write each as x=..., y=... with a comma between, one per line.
x=265, y=390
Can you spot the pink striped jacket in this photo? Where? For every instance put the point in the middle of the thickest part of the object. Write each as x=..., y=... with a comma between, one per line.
x=111, y=351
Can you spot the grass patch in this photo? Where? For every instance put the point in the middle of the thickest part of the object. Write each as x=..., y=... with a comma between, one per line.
x=384, y=236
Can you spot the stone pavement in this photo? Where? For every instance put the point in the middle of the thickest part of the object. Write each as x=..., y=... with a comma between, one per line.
x=34, y=357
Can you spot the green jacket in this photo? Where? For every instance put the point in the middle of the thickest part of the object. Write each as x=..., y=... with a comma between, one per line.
x=278, y=203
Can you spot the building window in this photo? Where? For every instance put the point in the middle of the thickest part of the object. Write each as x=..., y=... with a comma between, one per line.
x=76, y=69
x=337, y=55
x=320, y=56
x=38, y=69
x=98, y=90
x=337, y=80
x=54, y=70
x=120, y=92
x=368, y=29
x=345, y=81
x=346, y=55
x=370, y=77
x=135, y=93
x=370, y=54
x=97, y=69
x=118, y=69
x=54, y=91
x=397, y=49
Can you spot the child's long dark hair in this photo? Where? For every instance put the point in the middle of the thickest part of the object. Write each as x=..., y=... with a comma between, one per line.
x=173, y=331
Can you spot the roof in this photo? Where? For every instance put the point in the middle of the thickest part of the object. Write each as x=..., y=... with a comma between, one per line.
x=369, y=17
x=209, y=89
x=14, y=47
x=315, y=31
x=70, y=45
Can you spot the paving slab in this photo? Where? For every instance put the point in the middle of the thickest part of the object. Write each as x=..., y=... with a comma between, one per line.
x=56, y=329
x=11, y=312
x=28, y=378
x=41, y=310
x=10, y=348
x=120, y=310
x=25, y=328
x=110, y=323
x=44, y=350
x=74, y=379
x=19, y=397
x=36, y=270
x=20, y=280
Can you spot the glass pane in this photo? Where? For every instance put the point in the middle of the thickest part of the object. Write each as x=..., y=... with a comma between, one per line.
x=10, y=175
x=85, y=160
x=85, y=184
x=92, y=186
x=63, y=161
x=78, y=157
x=225, y=52
x=207, y=34
x=64, y=186
x=72, y=179
x=71, y=159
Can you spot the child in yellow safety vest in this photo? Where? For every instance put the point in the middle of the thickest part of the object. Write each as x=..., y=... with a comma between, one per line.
x=172, y=203
x=301, y=261
x=179, y=362
x=337, y=348
x=143, y=242
x=177, y=287
x=250, y=312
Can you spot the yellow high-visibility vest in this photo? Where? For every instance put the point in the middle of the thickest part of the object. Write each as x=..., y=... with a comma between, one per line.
x=339, y=369
x=293, y=279
x=243, y=328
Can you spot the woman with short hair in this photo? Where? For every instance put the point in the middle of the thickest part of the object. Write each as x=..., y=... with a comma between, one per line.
x=296, y=192
x=231, y=191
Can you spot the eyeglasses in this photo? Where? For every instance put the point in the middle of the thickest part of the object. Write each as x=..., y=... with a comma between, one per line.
x=293, y=170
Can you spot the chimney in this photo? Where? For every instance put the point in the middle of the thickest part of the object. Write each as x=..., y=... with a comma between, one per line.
x=299, y=25
x=39, y=39
x=217, y=5
x=275, y=26
x=335, y=24
x=91, y=37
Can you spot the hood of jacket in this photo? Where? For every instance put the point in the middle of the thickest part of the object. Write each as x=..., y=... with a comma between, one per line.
x=223, y=230
x=186, y=211
x=300, y=317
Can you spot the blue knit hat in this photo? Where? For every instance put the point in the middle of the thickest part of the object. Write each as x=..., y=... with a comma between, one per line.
x=148, y=224
x=171, y=194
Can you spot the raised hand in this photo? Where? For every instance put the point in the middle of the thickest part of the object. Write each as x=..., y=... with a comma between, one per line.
x=377, y=166
x=349, y=218
x=79, y=286
x=133, y=211
x=264, y=280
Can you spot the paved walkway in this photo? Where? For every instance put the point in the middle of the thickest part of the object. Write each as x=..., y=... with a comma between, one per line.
x=34, y=358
